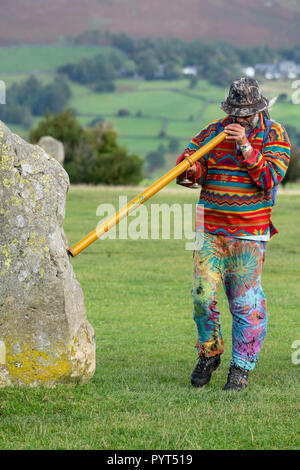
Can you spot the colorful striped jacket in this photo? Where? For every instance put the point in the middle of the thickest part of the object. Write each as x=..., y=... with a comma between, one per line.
x=237, y=195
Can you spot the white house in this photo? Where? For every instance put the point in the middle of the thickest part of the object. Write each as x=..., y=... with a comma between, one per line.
x=189, y=70
x=287, y=69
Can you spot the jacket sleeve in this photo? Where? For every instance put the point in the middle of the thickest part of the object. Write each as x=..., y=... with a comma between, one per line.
x=268, y=167
x=197, y=142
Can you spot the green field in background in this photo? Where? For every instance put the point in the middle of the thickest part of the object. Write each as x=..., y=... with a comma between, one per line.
x=187, y=110
x=44, y=58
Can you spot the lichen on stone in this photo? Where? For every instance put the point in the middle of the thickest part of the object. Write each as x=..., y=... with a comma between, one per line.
x=43, y=322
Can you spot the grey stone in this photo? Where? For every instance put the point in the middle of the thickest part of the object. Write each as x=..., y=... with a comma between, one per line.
x=45, y=338
x=53, y=147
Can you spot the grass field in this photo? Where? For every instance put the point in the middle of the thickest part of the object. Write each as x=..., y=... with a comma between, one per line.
x=44, y=58
x=138, y=300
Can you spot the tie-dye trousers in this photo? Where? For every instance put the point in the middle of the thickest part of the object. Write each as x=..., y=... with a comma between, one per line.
x=238, y=265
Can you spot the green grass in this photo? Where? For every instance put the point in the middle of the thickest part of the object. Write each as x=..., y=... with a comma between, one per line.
x=184, y=130
x=287, y=114
x=137, y=295
x=153, y=84
x=141, y=127
x=154, y=102
x=44, y=58
x=142, y=146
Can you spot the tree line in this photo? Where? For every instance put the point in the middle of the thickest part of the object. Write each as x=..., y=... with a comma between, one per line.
x=217, y=62
x=31, y=98
x=99, y=72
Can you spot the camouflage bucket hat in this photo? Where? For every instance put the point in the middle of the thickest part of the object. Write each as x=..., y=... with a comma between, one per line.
x=244, y=98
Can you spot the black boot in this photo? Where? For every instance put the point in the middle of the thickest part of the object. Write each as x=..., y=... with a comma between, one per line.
x=202, y=373
x=237, y=379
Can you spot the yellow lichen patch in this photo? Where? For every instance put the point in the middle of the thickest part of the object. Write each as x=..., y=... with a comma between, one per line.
x=7, y=262
x=6, y=163
x=45, y=178
x=32, y=240
x=5, y=250
x=36, y=244
x=15, y=201
x=32, y=366
x=5, y=148
x=6, y=182
x=42, y=239
x=40, y=205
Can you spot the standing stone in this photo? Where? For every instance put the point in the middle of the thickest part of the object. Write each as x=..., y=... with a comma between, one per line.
x=45, y=337
x=53, y=147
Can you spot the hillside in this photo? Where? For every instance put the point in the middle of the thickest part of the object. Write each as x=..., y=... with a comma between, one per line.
x=272, y=22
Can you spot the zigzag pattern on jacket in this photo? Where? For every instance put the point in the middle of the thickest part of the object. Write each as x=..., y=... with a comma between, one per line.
x=236, y=194
x=229, y=200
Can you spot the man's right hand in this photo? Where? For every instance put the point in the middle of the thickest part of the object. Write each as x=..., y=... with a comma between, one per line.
x=192, y=171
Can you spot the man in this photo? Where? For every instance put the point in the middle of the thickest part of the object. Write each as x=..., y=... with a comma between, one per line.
x=238, y=178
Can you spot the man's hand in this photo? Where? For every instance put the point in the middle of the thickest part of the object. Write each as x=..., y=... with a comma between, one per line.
x=190, y=173
x=237, y=132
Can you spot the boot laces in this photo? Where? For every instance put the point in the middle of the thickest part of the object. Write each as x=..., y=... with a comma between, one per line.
x=204, y=364
x=237, y=375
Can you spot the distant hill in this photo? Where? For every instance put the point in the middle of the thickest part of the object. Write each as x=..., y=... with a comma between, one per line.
x=255, y=22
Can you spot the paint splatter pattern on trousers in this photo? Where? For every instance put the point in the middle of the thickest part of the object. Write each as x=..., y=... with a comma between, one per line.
x=238, y=265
